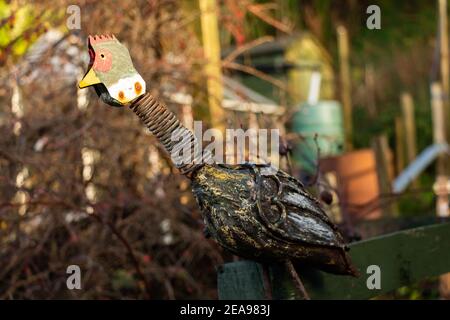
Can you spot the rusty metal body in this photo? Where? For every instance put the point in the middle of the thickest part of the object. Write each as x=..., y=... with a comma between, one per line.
x=267, y=217
x=252, y=212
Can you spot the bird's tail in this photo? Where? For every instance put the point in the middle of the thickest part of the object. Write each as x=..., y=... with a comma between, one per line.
x=334, y=260
x=351, y=269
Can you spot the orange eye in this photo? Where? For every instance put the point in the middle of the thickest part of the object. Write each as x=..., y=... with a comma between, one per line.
x=137, y=87
x=121, y=95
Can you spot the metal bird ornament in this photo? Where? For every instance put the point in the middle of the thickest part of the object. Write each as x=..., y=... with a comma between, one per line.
x=263, y=217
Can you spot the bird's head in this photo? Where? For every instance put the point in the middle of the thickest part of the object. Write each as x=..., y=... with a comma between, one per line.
x=111, y=72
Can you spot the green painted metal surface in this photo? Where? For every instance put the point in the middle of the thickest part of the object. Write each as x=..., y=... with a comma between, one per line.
x=404, y=257
x=241, y=280
x=325, y=120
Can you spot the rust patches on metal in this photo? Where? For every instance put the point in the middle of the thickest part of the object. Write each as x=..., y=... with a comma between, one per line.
x=238, y=207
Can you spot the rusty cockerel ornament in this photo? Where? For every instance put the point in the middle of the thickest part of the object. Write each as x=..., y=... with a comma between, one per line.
x=261, y=216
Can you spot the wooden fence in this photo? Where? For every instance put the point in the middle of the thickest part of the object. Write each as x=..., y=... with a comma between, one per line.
x=404, y=257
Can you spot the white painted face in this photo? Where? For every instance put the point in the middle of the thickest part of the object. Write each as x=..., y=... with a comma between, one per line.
x=127, y=89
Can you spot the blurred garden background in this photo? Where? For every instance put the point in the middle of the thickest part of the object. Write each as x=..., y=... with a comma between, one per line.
x=84, y=184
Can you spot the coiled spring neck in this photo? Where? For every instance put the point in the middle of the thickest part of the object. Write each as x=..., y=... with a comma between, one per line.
x=175, y=137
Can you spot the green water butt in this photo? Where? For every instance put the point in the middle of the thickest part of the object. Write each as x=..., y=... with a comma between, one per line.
x=323, y=119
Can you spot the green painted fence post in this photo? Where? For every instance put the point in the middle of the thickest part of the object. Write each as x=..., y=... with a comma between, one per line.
x=404, y=257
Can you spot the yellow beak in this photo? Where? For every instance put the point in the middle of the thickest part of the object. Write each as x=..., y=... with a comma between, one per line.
x=89, y=79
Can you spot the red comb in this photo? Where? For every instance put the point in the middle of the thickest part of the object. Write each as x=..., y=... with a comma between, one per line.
x=101, y=38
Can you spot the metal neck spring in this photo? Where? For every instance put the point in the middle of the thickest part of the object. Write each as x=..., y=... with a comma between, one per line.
x=168, y=129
